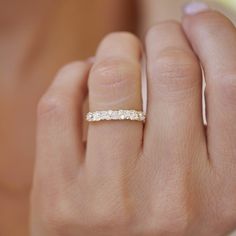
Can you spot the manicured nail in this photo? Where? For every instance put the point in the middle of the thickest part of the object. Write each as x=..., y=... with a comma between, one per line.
x=195, y=8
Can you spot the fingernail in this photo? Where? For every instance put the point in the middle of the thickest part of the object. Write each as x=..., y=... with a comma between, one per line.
x=195, y=8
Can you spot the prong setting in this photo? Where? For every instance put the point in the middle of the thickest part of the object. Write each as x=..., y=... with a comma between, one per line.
x=132, y=115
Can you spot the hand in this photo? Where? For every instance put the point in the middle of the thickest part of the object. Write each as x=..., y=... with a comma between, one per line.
x=172, y=176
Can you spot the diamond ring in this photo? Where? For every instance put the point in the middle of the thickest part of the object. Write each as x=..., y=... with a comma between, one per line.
x=132, y=115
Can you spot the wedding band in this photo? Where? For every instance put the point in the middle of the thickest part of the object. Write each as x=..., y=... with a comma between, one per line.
x=132, y=115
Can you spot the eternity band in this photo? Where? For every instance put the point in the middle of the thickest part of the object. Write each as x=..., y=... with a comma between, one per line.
x=132, y=115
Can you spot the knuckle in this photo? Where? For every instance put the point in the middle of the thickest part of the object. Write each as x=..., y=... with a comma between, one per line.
x=57, y=100
x=112, y=72
x=157, y=29
x=175, y=223
x=179, y=221
x=56, y=206
x=176, y=213
x=59, y=212
x=58, y=222
x=107, y=218
x=53, y=219
x=177, y=226
x=53, y=105
x=114, y=78
x=177, y=218
x=110, y=212
x=53, y=214
x=175, y=69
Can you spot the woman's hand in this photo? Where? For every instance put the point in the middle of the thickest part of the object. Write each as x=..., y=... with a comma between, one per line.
x=169, y=177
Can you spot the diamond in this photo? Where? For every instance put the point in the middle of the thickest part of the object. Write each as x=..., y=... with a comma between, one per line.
x=116, y=115
x=122, y=117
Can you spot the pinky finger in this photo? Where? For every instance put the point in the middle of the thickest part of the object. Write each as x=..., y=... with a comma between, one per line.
x=59, y=133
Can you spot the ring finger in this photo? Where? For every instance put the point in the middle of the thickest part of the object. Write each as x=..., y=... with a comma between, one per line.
x=115, y=84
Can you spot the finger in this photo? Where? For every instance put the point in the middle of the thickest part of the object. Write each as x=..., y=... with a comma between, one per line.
x=114, y=84
x=213, y=38
x=59, y=132
x=174, y=124
x=85, y=123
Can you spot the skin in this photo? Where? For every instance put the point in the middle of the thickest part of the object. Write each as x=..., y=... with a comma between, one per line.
x=23, y=81
x=100, y=187
x=126, y=188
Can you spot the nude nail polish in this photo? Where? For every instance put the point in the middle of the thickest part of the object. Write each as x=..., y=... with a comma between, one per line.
x=194, y=8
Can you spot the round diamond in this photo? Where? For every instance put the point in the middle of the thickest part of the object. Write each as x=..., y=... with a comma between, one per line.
x=90, y=116
x=116, y=115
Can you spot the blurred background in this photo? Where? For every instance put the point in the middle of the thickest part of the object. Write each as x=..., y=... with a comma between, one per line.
x=37, y=37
